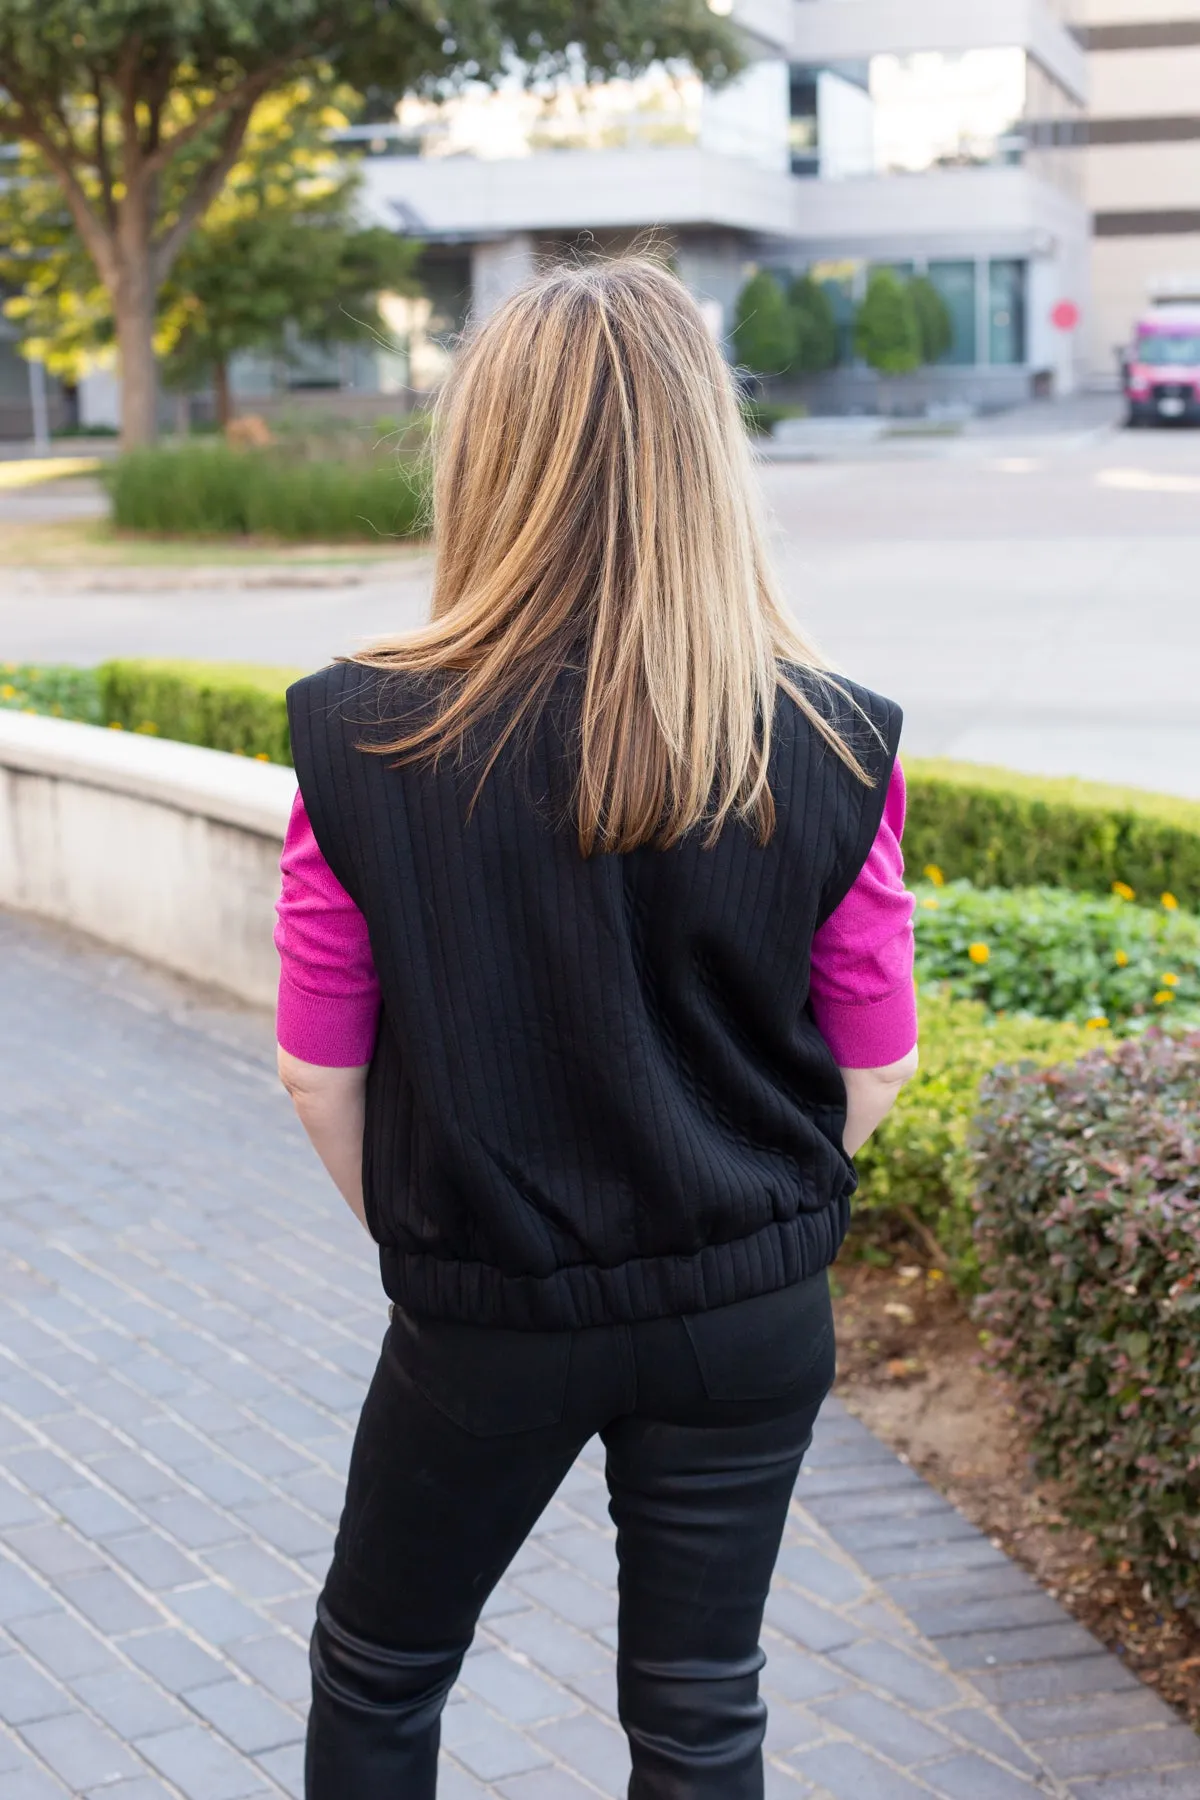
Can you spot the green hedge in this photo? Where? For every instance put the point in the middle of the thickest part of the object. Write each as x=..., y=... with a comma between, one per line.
x=918, y=1166
x=212, y=490
x=226, y=706
x=996, y=828
x=1089, y=1239
x=1061, y=955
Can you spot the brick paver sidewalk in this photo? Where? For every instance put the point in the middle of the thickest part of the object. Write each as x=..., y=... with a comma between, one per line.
x=188, y=1319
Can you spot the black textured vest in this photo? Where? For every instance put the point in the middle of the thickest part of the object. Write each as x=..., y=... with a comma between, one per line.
x=597, y=1093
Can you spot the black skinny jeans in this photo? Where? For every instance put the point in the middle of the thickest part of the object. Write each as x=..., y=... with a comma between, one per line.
x=464, y=1437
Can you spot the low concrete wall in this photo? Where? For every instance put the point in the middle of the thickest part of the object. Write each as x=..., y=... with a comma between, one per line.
x=163, y=849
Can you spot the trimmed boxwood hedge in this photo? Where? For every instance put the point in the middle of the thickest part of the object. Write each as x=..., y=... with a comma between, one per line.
x=225, y=706
x=996, y=828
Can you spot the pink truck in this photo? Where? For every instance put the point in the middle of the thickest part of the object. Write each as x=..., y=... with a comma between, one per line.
x=1161, y=368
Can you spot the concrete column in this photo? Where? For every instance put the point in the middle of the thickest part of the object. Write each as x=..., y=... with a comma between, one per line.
x=497, y=269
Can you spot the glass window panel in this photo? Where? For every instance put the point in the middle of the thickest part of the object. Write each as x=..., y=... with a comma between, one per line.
x=955, y=282
x=948, y=109
x=1006, y=312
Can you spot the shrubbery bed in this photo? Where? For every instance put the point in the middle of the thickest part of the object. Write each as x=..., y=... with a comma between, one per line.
x=1088, y=1185
x=918, y=1165
x=1061, y=955
x=55, y=689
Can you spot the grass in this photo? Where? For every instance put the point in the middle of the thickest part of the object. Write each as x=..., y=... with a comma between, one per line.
x=93, y=543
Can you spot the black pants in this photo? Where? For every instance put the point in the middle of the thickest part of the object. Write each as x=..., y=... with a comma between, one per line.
x=465, y=1435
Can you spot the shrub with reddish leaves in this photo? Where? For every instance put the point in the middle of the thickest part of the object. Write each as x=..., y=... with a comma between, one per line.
x=1088, y=1232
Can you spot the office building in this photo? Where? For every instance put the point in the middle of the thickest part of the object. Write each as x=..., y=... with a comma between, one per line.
x=1141, y=156
x=937, y=135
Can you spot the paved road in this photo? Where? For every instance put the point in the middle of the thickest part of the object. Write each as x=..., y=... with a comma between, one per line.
x=1030, y=599
x=188, y=1319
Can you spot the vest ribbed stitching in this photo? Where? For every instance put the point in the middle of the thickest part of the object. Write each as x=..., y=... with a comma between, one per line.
x=598, y=1094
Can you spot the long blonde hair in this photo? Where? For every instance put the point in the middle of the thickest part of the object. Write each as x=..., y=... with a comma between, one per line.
x=595, y=506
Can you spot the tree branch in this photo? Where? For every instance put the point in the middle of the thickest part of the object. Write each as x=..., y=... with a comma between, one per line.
x=165, y=249
x=103, y=162
x=131, y=142
x=100, y=244
x=245, y=94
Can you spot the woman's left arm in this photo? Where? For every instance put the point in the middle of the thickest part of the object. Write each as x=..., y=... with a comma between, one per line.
x=331, y=1106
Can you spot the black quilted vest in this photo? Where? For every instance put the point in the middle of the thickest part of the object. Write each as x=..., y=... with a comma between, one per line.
x=597, y=1093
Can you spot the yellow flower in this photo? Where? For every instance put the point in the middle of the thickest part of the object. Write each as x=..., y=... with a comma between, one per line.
x=261, y=756
x=932, y=873
x=930, y=902
x=1123, y=890
x=1098, y=1023
x=8, y=691
x=1163, y=997
x=1170, y=902
x=1170, y=980
x=978, y=953
x=115, y=725
x=1121, y=958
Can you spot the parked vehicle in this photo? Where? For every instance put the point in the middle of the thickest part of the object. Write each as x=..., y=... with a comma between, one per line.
x=1161, y=368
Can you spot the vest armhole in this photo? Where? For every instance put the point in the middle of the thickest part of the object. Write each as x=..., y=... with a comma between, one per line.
x=870, y=812
x=311, y=706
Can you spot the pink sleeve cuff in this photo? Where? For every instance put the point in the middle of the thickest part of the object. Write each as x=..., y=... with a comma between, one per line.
x=332, y=1031
x=868, y=1034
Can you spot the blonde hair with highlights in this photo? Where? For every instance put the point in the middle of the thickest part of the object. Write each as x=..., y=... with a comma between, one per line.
x=595, y=507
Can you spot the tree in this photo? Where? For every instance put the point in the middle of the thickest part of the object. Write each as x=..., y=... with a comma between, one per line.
x=814, y=325
x=764, y=334
x=278, y=247
x=886, y=333
x=139, y=108
x=278, y=255
x=934, y=324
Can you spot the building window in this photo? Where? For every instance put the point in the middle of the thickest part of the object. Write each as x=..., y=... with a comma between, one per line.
x=1006, y=312
x=936, y=110
x=956, y=283
x=804, y=130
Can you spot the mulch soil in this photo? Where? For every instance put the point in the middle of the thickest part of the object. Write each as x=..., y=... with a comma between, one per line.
x=911, y=1367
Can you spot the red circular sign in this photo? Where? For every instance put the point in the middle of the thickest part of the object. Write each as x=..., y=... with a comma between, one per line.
x=1065, y=315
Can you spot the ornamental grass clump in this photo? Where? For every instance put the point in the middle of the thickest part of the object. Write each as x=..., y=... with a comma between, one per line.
x=1097, y=960
x=1088, y=1234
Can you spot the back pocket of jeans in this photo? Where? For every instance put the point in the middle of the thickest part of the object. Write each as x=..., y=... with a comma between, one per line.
x=770, y=1348
x=488, y=1381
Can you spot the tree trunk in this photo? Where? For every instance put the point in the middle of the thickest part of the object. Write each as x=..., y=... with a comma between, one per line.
x=134, y=315
x=221, y=393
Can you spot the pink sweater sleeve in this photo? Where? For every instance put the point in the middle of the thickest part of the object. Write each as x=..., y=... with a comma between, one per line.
x=863, y=998
x=328, y=990
x=862, y=958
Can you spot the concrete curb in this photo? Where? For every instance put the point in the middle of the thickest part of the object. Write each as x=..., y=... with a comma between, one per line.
x=163, y=849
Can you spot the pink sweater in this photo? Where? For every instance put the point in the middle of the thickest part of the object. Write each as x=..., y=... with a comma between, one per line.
x=862, y=958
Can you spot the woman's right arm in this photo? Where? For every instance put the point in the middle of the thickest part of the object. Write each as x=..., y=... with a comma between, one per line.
x=328, y=1008
x=870, y=1097
x=862, y=980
